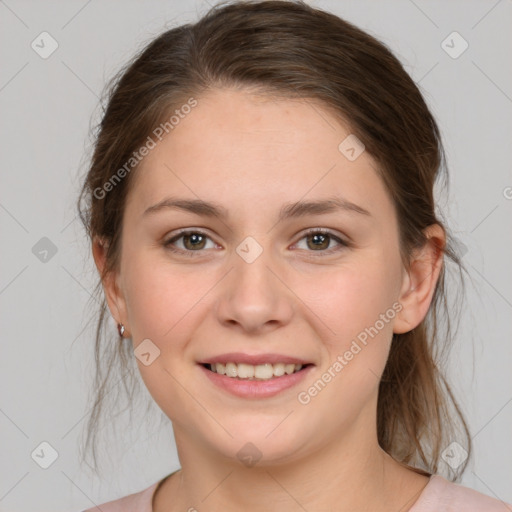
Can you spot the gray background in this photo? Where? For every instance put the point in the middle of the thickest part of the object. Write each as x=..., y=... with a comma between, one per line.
x=46, y=106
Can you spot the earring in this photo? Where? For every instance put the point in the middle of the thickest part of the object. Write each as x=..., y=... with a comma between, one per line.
x=120, y=328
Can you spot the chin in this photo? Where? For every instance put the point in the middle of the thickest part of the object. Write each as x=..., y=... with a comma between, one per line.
x=262, y=444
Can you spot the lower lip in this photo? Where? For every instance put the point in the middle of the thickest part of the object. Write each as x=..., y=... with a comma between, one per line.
x=256, y=388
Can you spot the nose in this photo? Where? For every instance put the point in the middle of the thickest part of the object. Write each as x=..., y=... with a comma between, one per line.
x=254, y=297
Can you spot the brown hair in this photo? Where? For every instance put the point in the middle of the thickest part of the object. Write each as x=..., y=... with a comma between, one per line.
x=291, y=50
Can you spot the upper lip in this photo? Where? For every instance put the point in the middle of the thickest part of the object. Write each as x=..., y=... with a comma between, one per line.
x=255, y=359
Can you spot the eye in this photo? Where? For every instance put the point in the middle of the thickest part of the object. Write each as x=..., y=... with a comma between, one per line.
x=319, y=240
x=193, y=241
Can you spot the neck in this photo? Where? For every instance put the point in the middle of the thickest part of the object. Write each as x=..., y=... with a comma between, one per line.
x=351, y=471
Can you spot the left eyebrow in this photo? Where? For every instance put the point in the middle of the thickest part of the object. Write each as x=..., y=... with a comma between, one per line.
x=289, y=210
x=302, y=208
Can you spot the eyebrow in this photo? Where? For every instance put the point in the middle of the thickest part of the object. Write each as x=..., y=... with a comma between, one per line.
x=289, y=210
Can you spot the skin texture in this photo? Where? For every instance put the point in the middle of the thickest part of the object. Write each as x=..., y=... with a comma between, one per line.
x=251, y=155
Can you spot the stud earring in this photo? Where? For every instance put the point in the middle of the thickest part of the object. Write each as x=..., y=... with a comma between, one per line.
x=121, y=329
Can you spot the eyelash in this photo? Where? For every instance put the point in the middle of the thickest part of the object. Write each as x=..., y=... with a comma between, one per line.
x=342, y=243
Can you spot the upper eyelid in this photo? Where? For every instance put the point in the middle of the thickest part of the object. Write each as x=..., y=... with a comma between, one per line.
x=187, y=231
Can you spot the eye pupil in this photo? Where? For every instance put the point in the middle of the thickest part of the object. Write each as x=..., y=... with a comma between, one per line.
x=321, y=238
x=193, y=238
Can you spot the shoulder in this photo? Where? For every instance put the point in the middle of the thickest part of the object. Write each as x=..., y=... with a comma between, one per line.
x=441, y=495
x=136, y=502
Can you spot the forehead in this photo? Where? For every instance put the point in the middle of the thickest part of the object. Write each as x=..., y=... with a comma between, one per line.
x=237, y=148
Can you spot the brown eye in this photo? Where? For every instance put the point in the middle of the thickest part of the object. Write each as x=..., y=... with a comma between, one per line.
x=194, y=241
x=191, y=241
x=318, y=241
x=322, y=241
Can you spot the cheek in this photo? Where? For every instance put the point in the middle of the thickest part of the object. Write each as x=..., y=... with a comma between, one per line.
x=162, y=305
x=159, y=294
x=351, y=303
x=356, y=303
x=350, y=298
x=163, y=298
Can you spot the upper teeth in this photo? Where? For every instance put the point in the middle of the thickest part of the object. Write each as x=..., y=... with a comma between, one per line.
x=249, y=371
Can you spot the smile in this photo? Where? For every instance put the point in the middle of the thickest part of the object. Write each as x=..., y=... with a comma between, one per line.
x=255, y=381
x=244, y=371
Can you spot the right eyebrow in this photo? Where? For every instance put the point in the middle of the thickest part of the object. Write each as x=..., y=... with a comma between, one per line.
x=197, y=206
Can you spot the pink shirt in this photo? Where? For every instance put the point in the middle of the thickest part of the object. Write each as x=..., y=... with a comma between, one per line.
x=439, y=495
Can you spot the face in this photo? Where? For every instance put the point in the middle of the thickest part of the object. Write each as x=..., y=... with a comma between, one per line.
x=263, y=282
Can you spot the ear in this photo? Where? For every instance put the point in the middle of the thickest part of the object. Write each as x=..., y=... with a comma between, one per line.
x=113, y=294
x=419, y=282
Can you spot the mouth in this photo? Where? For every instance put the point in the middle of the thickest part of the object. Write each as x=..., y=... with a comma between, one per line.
x=259, y=372
x=255, y=376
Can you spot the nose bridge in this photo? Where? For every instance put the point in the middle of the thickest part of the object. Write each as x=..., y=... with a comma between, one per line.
x=253, y=296
x=252, y=275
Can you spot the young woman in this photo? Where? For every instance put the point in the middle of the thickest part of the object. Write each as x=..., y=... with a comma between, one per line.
x=261, y=212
